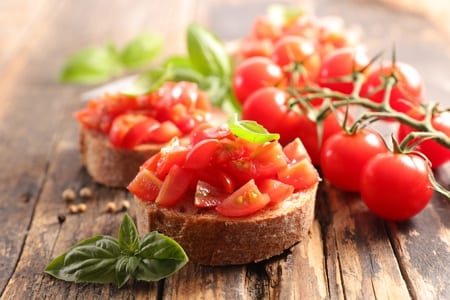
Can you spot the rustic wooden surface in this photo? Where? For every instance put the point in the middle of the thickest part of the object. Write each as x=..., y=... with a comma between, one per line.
x=350, y=253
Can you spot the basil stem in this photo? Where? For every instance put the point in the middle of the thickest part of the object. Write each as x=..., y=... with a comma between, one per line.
x=104, y=259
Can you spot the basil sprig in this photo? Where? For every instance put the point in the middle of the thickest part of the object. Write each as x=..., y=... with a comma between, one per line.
x=251, y=131
x=207, y=64
x=104, y=259
x=98, y=64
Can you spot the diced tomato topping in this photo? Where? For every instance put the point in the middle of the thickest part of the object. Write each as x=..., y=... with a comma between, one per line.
x=145, y=185
x=295, y=151
x=174, y=154
x=201, y=154
x=223, y=172
x=277, y=190
x=207, y=195
x=301, y=175
x=244, y=201
x=174, y=186
x=177, y=108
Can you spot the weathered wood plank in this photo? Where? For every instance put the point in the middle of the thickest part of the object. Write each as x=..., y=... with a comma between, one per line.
x=362, y=256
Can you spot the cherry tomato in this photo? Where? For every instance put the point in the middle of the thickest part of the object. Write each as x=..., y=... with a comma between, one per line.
x=406, y=94
x=264, y=28
x=340, y=63
x=251, y=47
x=435, y=152
x=268, y=107
x=290, y=49
x=244, y=201
x=253, y=74
x=396, y=186
x=344, y=155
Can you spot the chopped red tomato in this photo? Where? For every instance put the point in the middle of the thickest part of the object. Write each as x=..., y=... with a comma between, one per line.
x=244, y=201
x=174, y=186
x=177, y=108
x=201, y=154
x=301, y=175
x=229, y=174
x=207, y=195
x=277, y=190
x=174, y=154
x=295, y=151
x=145, y=185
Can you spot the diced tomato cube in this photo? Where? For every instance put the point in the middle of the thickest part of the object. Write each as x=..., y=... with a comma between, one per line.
x=295, y=151
x=201, y=154
x=207, y=195
x=174, y=186
x=145, y=185
x=277, y=190
x=301, y=175
x=244, y=201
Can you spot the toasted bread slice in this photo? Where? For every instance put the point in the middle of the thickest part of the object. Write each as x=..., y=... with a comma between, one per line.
x=116, y=167
x=109, y=165
x=212, y=239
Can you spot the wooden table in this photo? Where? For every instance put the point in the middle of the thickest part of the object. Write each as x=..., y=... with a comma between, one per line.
x=350, y=254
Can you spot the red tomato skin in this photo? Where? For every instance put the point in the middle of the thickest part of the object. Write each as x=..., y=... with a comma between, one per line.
x=295, y=151
x=396, y=186
x=301, y=175
x=343, y=157
x=174, y=186
x=290, y=49
x=253, y=74
x=339, y=63
x=244, y=201
x=268, y=107
x=406, y=94
x=277, y=190
x=201, y=154
x=145, y=185
x=435, y=152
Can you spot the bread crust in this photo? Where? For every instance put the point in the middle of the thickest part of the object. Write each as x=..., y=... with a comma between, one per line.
x=109, y=165
x=212, y=239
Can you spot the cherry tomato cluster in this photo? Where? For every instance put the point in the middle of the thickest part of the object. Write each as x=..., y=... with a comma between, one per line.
x=173, y=110
x=283, y=62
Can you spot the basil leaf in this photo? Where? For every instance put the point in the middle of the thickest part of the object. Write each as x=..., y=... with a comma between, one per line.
x=92, y=65
x=141, y=50
x=128, y=236
x=92, y=260
x=178, y=61
x=161, y=257
x=251, y=131
x=148, y=82
x=104, y=259
x=206, y=52
x=125, y=267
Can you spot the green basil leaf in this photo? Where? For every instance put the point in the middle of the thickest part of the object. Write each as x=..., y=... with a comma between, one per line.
x=141, y=50
x=187, y=74
x=251, y=131
x=207, y=53
x=160, y=256
x=178, y=61
x=92, y=260
x=128, y=236
x=148, y=82
x=125, y=267
x=92, y=65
